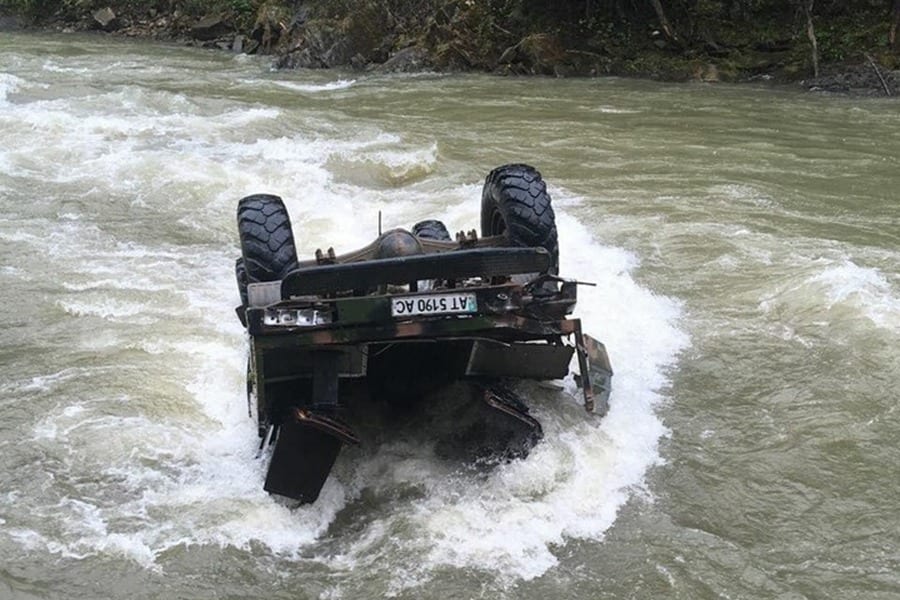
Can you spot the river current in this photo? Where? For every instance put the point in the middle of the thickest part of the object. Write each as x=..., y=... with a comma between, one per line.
x=745, y=243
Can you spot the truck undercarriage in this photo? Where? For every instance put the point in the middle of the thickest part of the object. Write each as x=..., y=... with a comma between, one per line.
x=410, y=313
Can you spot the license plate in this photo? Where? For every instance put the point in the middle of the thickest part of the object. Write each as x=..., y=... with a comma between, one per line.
x=433, y=304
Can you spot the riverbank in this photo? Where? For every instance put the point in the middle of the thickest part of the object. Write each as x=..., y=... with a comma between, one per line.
x=853, y=55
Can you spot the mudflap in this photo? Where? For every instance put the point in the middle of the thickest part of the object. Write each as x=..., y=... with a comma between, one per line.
x=305, y=450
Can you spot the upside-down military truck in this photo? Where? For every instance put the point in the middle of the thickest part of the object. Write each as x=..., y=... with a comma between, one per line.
x=413, y=311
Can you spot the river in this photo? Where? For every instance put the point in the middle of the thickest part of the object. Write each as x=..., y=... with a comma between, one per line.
x=745, y=243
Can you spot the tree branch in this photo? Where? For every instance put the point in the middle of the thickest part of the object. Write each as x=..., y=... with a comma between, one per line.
x=664, y=24
x=811, y=34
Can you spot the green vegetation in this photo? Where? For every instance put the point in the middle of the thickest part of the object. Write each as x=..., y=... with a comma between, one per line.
x=707, y=39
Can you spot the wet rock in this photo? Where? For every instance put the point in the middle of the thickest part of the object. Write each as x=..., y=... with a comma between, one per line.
x=860, y=80
x=408, y=60
x=237, y=46
x=359, y=62
x=9, y=23
x=324, y=43
x=537, y=54
x=105, y=19
x=210, y=27
x=562, y=70
x=708, y=73
x=320, y=44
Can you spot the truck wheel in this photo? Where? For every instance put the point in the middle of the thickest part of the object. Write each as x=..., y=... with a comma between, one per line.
x=515, y=204
x=432, y=229
x=267, y=241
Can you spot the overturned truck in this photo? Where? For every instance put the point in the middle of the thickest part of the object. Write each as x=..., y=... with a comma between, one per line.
x=409, y=313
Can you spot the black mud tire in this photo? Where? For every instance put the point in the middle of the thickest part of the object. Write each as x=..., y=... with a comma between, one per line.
x=432, y=229
x=515, y=203
x=267, y=240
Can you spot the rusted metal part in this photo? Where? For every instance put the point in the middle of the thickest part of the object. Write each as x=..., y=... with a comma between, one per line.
x=328, y=424
x=504, y=401
x=467, y=239
x=325, y=259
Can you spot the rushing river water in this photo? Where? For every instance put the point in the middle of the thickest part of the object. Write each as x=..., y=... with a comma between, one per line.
x=745, y=243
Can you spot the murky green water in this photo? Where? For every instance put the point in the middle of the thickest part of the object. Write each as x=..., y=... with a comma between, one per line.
x=746, y=246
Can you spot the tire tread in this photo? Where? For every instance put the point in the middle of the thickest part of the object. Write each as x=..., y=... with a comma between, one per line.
x=267, y=240
x=519, y=192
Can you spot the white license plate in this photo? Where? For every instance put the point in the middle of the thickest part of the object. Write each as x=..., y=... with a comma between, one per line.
x=433, y=304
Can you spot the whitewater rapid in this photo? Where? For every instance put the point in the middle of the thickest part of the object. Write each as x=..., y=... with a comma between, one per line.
x=127, y=248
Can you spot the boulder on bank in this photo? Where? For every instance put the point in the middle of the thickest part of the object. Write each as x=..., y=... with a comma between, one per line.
x=105, y=19
x=408, y=60
x=319, y=44
x=210, y=28
x=536, y=54
x=356, y=40
x=9, y=23
x=859, y=80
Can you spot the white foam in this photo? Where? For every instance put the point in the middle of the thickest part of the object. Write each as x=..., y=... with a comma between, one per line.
x=176, y=451
x=508, y=521
x=54, y=67
x=573, y=484
x=108, y=308
x=340, y=84
x=8, y=83
x=611, y=110
x=839, y=288
x=862, y=288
